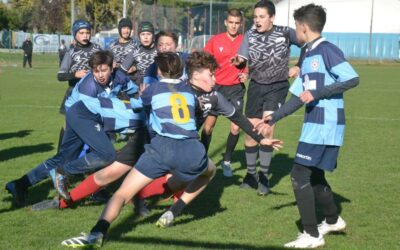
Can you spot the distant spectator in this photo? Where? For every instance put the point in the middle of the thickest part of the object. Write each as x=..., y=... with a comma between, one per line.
x=61, y=51
x=27, y=47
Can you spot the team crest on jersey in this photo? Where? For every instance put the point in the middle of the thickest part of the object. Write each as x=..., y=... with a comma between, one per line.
x=315, y=64
x=221, y=49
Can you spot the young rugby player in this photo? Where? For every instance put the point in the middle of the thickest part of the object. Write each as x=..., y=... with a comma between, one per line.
x=266, y=48
x=325, y=75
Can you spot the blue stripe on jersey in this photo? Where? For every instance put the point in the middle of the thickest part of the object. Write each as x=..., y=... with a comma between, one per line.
x=106, y=103
x=173, y=109
x=344, y=72
x=314, y=114
x=116, y=114
x=166, y=113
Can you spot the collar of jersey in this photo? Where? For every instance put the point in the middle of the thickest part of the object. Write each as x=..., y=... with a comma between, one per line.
x=173, y=81
x=313, y=44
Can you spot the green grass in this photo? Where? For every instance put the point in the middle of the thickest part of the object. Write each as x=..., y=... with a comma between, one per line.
x=366, y=183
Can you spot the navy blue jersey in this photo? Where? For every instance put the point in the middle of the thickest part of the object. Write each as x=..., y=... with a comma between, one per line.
x=88, y=87
x=172, y=104
x=324, y=121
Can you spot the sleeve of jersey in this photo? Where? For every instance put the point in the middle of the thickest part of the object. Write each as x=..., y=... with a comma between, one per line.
x=297, y=87
x=63, y=73
x=221, y=105
x=86, y=87
x=293, y=38
x=150, y=75
x=240, y=120
x=244, y=47
x=128, y=62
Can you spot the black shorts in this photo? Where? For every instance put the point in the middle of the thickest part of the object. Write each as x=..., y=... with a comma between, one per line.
x=233, y=93
x=265, y=97
x=134, y=148
x=66, y=95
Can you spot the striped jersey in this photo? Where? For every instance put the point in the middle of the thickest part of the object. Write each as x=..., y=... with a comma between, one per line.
x=324, y=121
x=116, y=114
x=121, y=50
x=172, y=104
x=88, y=87
x=268, y=53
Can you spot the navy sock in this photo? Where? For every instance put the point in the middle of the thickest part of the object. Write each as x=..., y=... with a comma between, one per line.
x=177, y=207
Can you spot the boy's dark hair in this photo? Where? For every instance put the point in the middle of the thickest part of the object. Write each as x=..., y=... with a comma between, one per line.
x=235, y=13
x=168, y=34
x=269, y=5
x=169, y=64
x=101, y=57
x=199, y=60
x=312, y=15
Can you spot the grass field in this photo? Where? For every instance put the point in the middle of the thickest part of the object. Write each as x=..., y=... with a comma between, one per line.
x=366, y=183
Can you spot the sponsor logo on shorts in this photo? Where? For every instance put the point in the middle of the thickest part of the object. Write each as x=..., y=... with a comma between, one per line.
x=98, y=127
x=305, y=157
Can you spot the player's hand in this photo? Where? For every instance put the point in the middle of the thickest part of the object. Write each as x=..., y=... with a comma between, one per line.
x=236, y=60
x=81, y=73
x=306, y=97
x=274, y=143
x=263, y=127
x=132, y=69
x=243, y=77
x=294, y=72
x=116, y=65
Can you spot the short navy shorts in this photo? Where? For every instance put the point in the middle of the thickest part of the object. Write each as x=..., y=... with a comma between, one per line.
x=186, y=159
x=320, y=156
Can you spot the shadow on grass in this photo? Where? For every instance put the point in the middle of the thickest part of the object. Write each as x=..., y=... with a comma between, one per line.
x=15, y=152
x=19, y=134
x=210, y=196
x=152, y=241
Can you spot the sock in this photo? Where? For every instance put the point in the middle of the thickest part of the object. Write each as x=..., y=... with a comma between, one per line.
x=324, y=196
x=101, y=227
x=304, y=194
x=177, y=207
x=230, y=146
x=251, y=159
x=156, y=187
x=206, y=140
x=23, y=182
x=87, y=187
x=265, y=158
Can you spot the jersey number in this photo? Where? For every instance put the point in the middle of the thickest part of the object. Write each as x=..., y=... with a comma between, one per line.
x=179, y=108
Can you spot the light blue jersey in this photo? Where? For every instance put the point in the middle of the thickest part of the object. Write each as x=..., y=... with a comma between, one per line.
x=88, y=87
x=172, y=105
x=324, y=120
x=116, y=114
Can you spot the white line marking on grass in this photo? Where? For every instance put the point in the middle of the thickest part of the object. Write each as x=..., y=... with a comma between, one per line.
x=364, y=118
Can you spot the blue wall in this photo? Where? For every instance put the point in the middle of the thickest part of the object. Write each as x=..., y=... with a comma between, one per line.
x=356, y=45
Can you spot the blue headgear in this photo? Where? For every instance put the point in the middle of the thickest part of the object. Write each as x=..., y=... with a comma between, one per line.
x=80, y=24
